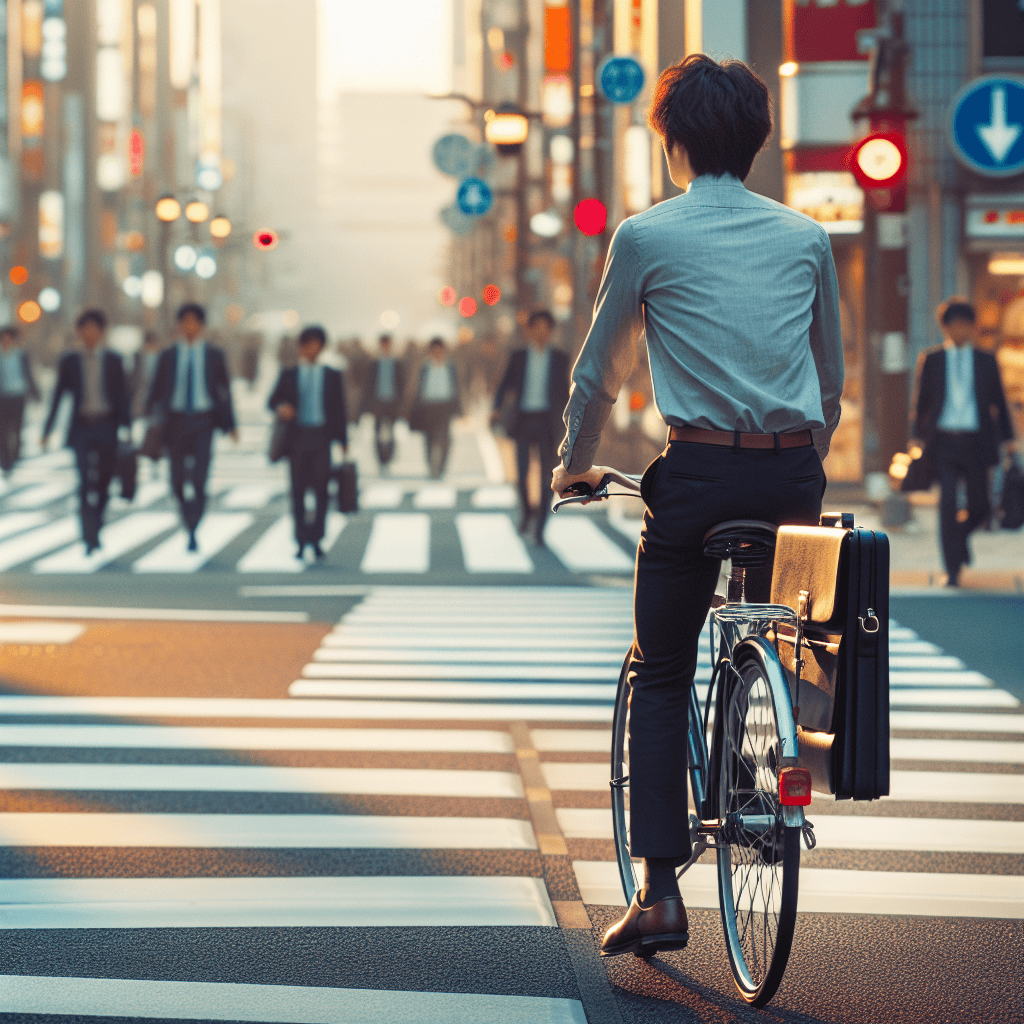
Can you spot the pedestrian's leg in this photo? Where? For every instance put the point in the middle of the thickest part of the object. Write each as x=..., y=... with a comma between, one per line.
x=202, y=446
x=295, y=459
x=83, y=462
x=951, y=536
x=979, y=507
x=320, y=475
x=444, y=445
x=547, y=456
x=106, y=456
x=7, y=457
x=522, y=477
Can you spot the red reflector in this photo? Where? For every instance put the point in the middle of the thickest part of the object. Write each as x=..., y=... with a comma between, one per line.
x=795, y=787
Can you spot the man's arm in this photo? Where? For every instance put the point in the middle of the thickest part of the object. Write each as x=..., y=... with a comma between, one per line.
x=608, y=354
x=1005, y=424
x=826, y=337
x=156, y=387
x=506, y=382
x=63, y=384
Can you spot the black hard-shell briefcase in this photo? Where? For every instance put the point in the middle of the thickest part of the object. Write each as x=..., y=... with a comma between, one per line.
x=837, y=578
x=348, y=486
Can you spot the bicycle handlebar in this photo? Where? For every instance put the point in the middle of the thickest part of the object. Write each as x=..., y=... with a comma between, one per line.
x=583, y=492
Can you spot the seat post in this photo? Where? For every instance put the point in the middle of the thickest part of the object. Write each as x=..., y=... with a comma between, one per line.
x=737, y=584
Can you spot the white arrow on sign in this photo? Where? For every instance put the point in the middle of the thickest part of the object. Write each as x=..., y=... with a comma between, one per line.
x=999, y=136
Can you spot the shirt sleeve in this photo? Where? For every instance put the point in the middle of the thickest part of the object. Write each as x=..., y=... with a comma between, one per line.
x=826, y=337
x=608, y=354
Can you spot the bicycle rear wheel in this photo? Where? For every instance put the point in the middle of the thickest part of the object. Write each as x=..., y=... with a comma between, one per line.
x=758, y=855
x=620, y=785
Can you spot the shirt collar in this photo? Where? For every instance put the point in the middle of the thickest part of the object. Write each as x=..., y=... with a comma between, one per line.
x=712, y=181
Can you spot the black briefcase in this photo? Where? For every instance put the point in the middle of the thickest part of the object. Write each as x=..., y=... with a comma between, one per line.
x=348, y=486
x=1011, y=499
x=838, y=577
x=127, y=470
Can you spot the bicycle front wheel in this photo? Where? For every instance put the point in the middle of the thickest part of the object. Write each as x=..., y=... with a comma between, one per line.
x=620, y=785
x=758, y=855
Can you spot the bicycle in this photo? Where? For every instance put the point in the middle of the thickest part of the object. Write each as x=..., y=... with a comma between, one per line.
x=748, y=790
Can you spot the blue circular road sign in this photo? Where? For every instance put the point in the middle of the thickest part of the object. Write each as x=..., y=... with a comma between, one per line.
x=474, y=197
x=621, y=79
x=455, y=155
x=456, y=221
x=987, y=126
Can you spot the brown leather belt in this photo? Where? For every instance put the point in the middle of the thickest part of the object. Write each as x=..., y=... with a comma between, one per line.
x=728, y=438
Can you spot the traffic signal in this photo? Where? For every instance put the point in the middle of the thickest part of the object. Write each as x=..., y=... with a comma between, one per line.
x=590, y=216
x=265, y=239
x=879, y=160
x=492, y=294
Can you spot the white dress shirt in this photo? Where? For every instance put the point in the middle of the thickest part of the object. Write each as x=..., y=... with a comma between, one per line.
x=535, y=383
x=960, y=409
x=311, y=395
x=437, y=383
x=196, y=354
x=94, y=399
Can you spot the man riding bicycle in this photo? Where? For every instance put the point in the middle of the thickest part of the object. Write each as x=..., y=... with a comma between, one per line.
x=738, y=298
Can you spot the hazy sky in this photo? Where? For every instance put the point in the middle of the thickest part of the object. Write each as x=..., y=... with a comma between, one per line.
x=385, y=46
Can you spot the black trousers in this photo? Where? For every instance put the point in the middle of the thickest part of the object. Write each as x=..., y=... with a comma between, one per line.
x=189, y=441
x=384, y=416
x=12, y=416
x=688, y=489
x=955, y=458
x=535, y=430
x=310, y=460
x=95, y=445
x=437, y=418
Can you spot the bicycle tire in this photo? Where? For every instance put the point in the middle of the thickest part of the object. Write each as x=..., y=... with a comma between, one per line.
x=759, y=866
x=620, y=785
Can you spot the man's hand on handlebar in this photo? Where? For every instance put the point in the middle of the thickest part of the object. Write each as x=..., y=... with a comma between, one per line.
x=561, y=480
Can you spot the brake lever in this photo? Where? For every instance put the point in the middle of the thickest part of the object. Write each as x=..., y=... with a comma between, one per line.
x=581, y=491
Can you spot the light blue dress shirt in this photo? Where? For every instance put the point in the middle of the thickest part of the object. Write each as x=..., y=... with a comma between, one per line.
x=196, y=352
x=535, y=383
x=386, y=380
x=960, y=408
x=311, y=395
x=738, y=299
x=12, y=373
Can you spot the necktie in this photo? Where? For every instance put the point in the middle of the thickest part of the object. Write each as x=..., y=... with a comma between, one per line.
x=190, y=384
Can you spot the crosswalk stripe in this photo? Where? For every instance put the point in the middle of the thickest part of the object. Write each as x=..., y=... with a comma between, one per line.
x=399, y=542
x=581, y=546
x=454, y=691
x=923, y=661
x=176, y=737
x=948, y=721
x=940, y=677
x=499, y=496
x=150, y=492
x=263, y=779
x=428, y=644
x=508, y=619
x=215, y=532
x=979, y=698
x=275, y=550
x=29, y=545
x=18, y=522
x=42, y=494
x=264, y=831
x=39, y=632
x=382, y=496
x=583, y=633
x=490, y=543
x=194, y=1000
x=434, y=496
x=118, y=539
x=833, y=891
x=424, y=670
x=913, y=647
x=252, y=495
x=321, y=902
x=455, y=655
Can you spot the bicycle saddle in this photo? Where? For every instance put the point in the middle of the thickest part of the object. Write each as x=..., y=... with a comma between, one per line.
x=748, y=542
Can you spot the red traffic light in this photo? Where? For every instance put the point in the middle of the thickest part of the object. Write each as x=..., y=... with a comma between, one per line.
x=265, y=239
x=492, y=293
x=879, y=160
x=590, y=216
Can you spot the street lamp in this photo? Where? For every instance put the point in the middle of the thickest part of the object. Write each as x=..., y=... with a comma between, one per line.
x=168, y=209
x=196, y=211
x=220, y=226
x=506, y=128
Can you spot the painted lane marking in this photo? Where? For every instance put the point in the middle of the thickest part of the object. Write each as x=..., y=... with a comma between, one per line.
x=382, y=496
x=117, y=539
x=275, y=550
x=499, y=496
x=604, y=692
x=434, y=496
x=26, y=546
x=490, y=543
x=330, y=669
x=39, y=632
x=18, y=522
x=399, y=542
x=253, y=496
x=215, y=532
x=149, y=614
x=582, y=547
x=39, y=495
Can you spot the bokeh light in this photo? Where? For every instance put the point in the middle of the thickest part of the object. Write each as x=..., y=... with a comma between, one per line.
x=168, y=209
x=447, y=296
x=389, y=319
x=467, y=306
x=220, y=226
x=265, y=239
x=49, y=299
x=590, y=216
x=18, y=275
x=30, y=311
x=197, y=211
x=492, y=293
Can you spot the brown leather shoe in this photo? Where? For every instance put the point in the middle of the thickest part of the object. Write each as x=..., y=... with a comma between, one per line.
x=646, y=930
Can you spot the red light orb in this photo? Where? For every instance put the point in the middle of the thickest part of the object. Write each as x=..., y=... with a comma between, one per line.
x=18, y=275
x=492, y=293
x=447, y=296
x=265, y=239
x=136, y=153
x=467, y=306
x=590, y=216
x=879, y=161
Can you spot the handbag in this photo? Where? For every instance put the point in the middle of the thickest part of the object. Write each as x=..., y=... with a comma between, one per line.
x=280, y=435
x=127, y=469
x=837, y=578
x=1011, y=498
x=347, y=480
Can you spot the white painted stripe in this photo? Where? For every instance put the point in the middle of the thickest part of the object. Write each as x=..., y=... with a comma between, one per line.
x=150, y=614
x=434, y=496
x=404, y=595
x=454, y=691
x=855, y=832
x=330, y=669
x=490, y=543
x=39, y=632
x=34, y=543
x=150, y=492
x=322, y=902
x=117, y=539
x=584, y=635
x=897, y=632
x=454, y=617
x=950, y=721
x=176, y=737
x=494, y=464
x=399, y=542
x=987, y=751
x=216, y=531
x=265, y=831
x=16, y=522
x=42, y=494
x=497, y=496
x=275, y=550
x=913, y=647
x=582, y=547
x=428, y=643
x=938, y=678
x=832, y=891
x=252, y=495
x=923, y=661
x=575, y=740
x=456, y=656
x=980, y=698
x=382, y=496
x=286, y=1004
x=262, y=779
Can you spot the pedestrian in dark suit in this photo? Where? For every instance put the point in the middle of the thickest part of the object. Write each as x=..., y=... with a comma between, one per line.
x=437, y=401
x=191, y=395
x=311, y=399
x=94, y=377
x=382, y=397
x=17, y=386
x=530, y=400
x=962, y=420
x=143, y=371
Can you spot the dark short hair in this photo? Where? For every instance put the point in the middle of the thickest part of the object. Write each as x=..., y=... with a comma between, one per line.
x=385, y=339
x=541, y=314
x=313, y=332
x=437, y=342
x=9, y=331
x=721, y=114
x=92, y=316
x=191, y=309
x=957, y=311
